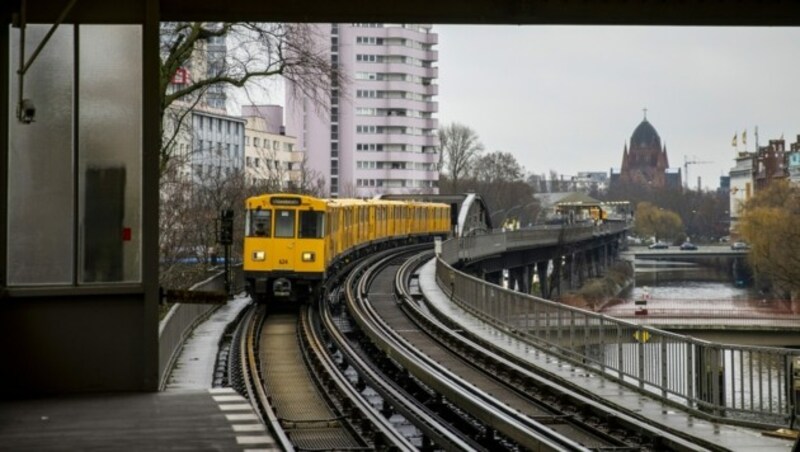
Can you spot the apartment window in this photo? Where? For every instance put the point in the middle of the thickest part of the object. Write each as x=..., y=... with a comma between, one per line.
x=366, y=76
x=248, y=161
x=366, y=129
x=255, y=141
x=366, y=58
x=256, y=162
x=246, y=140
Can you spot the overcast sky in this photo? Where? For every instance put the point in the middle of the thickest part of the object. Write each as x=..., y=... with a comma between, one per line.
x=568, y=98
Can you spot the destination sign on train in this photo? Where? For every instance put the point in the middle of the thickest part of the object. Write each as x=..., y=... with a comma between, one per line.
x=285, y=201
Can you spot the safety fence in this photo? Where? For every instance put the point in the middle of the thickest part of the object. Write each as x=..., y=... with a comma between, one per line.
x=182, y=318
x=747, y=384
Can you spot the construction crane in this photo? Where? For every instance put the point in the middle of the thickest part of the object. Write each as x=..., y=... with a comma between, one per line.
x=686, y=163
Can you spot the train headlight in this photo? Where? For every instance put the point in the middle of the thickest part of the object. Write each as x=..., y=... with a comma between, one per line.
x=308, y=256
x=259, y=255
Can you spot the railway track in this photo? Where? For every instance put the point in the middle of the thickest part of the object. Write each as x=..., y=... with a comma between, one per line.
x=373, y=368
x=514, y=406
x=299, y=391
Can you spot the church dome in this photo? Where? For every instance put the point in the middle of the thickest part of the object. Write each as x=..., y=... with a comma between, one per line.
x=645, y=136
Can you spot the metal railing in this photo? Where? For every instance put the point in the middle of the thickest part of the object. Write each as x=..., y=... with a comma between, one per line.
x=498, y=241
x=181, y=320
x=745, y=384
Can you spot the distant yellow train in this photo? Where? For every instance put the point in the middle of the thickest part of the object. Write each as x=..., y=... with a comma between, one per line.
x=292, y=240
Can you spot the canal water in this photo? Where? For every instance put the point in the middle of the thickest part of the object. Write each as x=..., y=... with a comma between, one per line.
x=686, y=282
x=752, y=380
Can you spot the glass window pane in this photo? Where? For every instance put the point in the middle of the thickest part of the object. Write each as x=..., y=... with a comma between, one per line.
x=311, y=226
x=40, y=181
x=284, y=223
x=110, y=152
x=261, y=222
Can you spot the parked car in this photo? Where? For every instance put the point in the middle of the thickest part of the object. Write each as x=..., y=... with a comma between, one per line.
x=688, y=246
x=658, y=246
x=739, y=246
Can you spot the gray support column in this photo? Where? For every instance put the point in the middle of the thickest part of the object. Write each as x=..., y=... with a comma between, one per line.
x=569, y=265
x=527, y=279
x=541, y=271
x=580, y=268
x=521, y=277
x=555, y=278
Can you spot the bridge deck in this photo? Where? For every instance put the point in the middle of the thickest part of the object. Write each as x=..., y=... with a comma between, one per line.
x=730, y=437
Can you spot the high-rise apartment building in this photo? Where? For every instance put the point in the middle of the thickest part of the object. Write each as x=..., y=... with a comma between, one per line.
x=379, y=134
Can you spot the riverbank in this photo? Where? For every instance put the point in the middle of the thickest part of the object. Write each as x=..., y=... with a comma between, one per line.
x=598, y=293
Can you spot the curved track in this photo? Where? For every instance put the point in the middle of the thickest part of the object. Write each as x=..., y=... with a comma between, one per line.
x=487, y=389
x=340, y=378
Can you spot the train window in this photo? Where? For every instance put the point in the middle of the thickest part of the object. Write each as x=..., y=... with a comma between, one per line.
x=261, y=222
x=311, y=224
x=284, y=223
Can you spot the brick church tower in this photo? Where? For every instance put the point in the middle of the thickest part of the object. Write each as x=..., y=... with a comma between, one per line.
x=645, y=163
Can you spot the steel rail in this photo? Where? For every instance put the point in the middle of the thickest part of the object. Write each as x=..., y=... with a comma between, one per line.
x=382, y=425
x=519, y=371
x=252, y=381
x=525, y=431
x=440, y=433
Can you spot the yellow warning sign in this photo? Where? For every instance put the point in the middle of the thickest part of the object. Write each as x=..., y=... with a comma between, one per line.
x=641, y=336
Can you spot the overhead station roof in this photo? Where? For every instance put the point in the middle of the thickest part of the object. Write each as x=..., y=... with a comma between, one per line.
x=578, y=12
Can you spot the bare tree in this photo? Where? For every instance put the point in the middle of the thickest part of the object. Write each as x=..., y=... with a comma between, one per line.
x=309, y=181
x=459, y=146
x=499, y=178
x=498, y=166
x=188, y=222
x=256, y=52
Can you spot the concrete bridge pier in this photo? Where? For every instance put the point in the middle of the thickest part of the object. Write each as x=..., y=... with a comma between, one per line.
x=541, y=272
x=555, y=278
x=519, y=279
x=592, y=263
x=582, y=268
x=569, y=270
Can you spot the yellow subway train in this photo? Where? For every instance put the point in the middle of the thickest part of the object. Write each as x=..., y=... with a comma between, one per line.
x=292, y=240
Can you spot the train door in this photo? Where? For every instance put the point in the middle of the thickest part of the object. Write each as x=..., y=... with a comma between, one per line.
x=285, y=238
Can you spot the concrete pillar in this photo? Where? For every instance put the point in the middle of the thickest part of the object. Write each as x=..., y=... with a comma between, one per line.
x=541, y=272
x=569, y=265
x=519, y=279
x=555, y=278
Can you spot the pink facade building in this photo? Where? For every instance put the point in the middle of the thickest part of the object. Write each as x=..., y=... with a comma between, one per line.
x=379, y=134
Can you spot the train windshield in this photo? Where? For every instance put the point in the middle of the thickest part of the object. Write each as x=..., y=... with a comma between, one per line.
x=311, y=224
x=284, y=223
x=260, y=223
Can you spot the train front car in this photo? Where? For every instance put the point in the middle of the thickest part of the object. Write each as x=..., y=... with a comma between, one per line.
x=284, y=247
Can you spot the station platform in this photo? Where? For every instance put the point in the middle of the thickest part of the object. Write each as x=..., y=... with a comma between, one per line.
x=726, y=436
x=188, y=415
